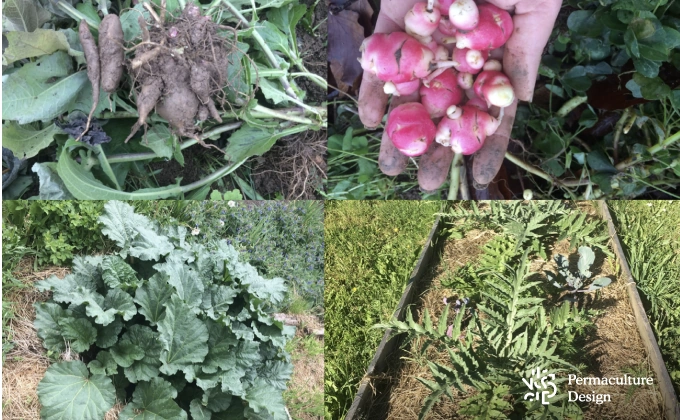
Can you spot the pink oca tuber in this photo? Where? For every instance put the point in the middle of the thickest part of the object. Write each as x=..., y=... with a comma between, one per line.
x=414, y=61
x=410, y=128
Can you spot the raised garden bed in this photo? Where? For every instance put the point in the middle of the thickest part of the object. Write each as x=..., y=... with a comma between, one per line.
x=615, y=339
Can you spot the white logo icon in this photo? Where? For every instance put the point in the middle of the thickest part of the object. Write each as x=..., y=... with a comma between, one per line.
x=540, y=384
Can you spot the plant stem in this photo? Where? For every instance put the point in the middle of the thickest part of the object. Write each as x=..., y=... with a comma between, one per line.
x=318, y=80
x=455, y=177
x=132, y=157
x=284, y=116
x=538, y=172
x=617, y=134
x=226, y=170
x=464, y=187
x=651, y=150
x=265, y=48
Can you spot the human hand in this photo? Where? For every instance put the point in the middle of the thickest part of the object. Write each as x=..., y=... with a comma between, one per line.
x=533, y=22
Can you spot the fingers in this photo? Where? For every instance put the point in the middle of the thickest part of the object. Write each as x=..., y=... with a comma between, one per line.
x=490, y=157
x=372, y=97
x=434, y=167
x=534, y=21
x=390, y=160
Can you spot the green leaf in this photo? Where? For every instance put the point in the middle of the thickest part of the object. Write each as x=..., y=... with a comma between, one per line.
x=576, y=79
x=160, y=139
x=183, y=337
x=69, y=392
x=651, y=88
x=221, y=345
x=153, y=400
x=599, y=161
x=42, y=90
x=24, y=15
x=33, y=44
x=47, y=316
x=125, y=353
x=216, y=400
x=198, y=411
x=116, y=273
x=273, y=37
x=152, y=297
x=51, y=185
x=261, y=400
x=146, y=368
x=128, y=21
x=185, y=280
x=249, y=141
x=599, y=283
x=273, y=92
x=133, y=232
x=103, y=365
x=79, y=332
x=107, y=335
x=121, y=303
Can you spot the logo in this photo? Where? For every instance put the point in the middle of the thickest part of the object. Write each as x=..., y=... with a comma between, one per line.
x=540, y=385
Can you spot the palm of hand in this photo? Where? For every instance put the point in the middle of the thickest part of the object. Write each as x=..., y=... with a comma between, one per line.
x=533, y=21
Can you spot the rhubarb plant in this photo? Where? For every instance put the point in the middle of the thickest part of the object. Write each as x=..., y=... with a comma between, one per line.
x=174, y=330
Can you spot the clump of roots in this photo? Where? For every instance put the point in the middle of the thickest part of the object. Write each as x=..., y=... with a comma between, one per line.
x=179, y=68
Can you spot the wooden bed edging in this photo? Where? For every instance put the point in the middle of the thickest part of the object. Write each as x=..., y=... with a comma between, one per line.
x=389, y=344
x=671, y=407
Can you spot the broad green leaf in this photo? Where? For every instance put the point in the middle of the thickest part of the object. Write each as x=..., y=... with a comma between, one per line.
x=47, y=316
x=276, y=373
x=116, y=273
x=217, y=299
x=24, y=15
x=94, y=305
x=275, y=39
x=152, y=297
x=62, y=289
x=160, y=139
x=69, y=392
x=51, y=185
x=103, y=365
x=79, y=332
x=33, y=44
x=185, y=280
x=651, y=88
x=90, y=12
x=153, y=400
x=221, y=344
x=121, y=303
x=107, y=335
x=129, y=23
x=599, y=283
x=261, y=400
x=576, y=79
x=133, y=232
x=146, y=368
x=183, y=335
x=42, y=90
x=216, y=400
x=599, y=161
x=273, y=92
x=199, y=411
x=125, y=353
x=249, y=141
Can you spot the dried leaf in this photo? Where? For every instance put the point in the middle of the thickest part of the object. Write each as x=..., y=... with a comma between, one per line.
x=345, y=36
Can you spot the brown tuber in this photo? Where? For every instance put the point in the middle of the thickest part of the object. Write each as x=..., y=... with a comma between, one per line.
x=111, y=52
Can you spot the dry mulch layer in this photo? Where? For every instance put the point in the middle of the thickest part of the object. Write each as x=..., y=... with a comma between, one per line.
x=613, y=348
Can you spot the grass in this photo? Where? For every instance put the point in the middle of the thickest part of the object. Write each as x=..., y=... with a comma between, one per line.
x=371, y=248
x=649, y=231
x=304, y=396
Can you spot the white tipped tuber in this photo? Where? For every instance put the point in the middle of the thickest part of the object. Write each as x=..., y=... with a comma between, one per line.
x=493, y=64
x=454, y=112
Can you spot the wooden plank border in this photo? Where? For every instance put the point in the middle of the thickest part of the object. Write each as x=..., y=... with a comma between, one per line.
x=389, y=344
x=670, y=400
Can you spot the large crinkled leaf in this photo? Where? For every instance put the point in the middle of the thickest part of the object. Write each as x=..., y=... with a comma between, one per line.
x=103, y=365
x=121, y=303
x=199, y=411
x=217, y=299
x=47, y=316
x=183, y=336
x=62, y=289
x=207, y=381
x=125, y=353
x=262, y=401
x=69, y=392
x=33, y=44
x=146, y=368
x=279, y=337
x=242, y=331
x=94, y=305
x=26, y=141
x=234, y=412
x=152, y=297
x=276, y=373
x=107, y=335
x=116, y=273
x=24, y=15
x=231, y=381
x=221, y=344
x=216, y=400
x=133, y=232
x=88, y=269
x=42, y=90
x=153, y=400
x=78, y=332
x=185, y=280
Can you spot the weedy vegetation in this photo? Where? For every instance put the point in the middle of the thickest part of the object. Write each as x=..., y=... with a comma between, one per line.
x=649, y=232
